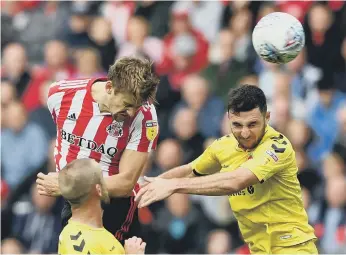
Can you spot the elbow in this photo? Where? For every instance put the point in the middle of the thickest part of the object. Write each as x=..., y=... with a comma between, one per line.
x=125, y=191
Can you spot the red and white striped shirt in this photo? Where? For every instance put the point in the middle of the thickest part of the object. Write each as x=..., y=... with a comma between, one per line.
x=84, y=132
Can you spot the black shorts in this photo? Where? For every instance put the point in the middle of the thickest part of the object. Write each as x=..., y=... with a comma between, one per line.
x=120, y=217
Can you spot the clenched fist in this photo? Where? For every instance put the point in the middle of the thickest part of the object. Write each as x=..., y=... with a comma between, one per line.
x=48, y=184
x=134, y=245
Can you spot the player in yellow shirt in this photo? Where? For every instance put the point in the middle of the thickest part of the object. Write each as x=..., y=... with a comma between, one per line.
x=256, y=167
x=82, y=185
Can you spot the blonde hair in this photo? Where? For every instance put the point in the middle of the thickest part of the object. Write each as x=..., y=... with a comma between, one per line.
x=134, y=76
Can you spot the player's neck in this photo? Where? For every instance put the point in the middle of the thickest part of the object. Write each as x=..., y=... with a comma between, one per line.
x=98, y=93
x=88, y=214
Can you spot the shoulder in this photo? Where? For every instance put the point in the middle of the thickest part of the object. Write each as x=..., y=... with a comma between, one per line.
x=146, y=114
x=227, y=141
x=80, y=239
x=108, y=243
x=276, y=143
x=148, y=111
x=69, y=85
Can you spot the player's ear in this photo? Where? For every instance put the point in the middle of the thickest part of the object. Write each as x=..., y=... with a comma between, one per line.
x=267, y=117
x=109, y=87
x=99, y=190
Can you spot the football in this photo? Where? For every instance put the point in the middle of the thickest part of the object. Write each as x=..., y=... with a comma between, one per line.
x=278, y=38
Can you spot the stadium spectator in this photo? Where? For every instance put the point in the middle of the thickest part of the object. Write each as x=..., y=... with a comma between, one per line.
x=341, y=76
x=296, y=8
x=156, y=13
x=16, y=68
x=333, y=218
x=8, y=94
x=100, y=34
x=209, y=109
x=333, y=167
x=11, y=246
x=169, y=154
x=323, y=39
x=184, y=125
x=205, y=16
x=56, y=67
x=118, y=13
x=342, y=122
x=185, y=50
x=178, y=226
x=224, y=71
x=41, y=115
x=304, y=80
x=23, y=145
x=88, y=64
x=76, y=30
x=139, y=43
x=325, y=113
x=36, y=225
x=219, y=242
x=240, y=25
x=41, y=24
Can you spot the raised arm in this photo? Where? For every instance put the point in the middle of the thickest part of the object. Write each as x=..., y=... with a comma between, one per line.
x=143, y=139
x=130, y=168
x=217, y=184
x=119, y=185
x=178, y=172
x=205, y=164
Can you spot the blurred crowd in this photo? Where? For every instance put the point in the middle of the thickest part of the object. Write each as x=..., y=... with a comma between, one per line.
x=200, y=51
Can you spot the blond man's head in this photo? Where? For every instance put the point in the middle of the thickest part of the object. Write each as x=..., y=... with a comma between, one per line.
x=135, y=76
x=131, y=84
x=82, y=180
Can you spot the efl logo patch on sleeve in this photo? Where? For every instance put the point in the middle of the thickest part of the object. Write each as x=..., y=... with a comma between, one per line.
x=151, y=129
x=272, y=155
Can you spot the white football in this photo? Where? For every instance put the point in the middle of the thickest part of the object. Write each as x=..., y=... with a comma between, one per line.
x=278, y=37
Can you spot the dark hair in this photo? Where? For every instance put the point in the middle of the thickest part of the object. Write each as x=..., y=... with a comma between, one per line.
x=246, y=98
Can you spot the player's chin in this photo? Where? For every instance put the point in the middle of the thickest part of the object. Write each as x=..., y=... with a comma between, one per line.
x=248, y=145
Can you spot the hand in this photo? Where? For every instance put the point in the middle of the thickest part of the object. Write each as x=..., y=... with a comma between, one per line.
x=157, y=190
x=48, y=184
x=134, y=245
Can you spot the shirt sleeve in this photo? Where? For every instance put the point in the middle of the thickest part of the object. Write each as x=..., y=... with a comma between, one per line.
x=269, y=158
x=144, y=130
x=54, y=100
x=207, y=163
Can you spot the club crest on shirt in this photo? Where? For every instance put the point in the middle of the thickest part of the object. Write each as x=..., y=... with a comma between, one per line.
x=115, y=129
x=151, y=129
x=272, y=155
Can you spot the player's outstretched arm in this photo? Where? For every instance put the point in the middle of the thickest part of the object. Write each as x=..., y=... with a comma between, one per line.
x=206, y=163
x=130, y=167
x=178, y=172
x=218, y=184
x=119, y=185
